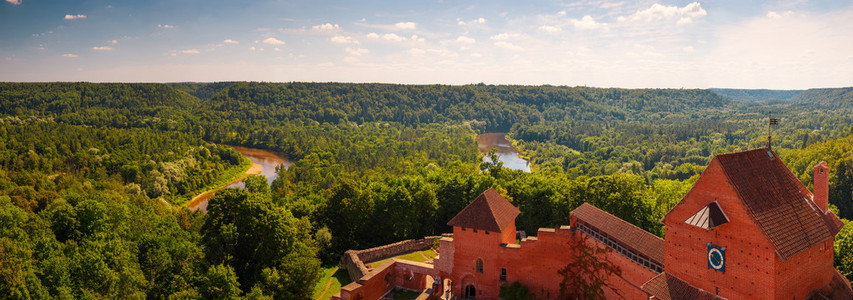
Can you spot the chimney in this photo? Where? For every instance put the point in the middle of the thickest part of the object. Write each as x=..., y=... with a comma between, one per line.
x=821, y=186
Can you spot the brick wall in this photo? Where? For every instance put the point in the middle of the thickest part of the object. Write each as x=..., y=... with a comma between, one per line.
x=353, y=260
x=750, y=257
x=393, y=274
x=753, y=268
x=534, y=263
x=805, y=272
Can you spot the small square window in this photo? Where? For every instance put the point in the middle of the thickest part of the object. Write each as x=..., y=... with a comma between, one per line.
x=475, y=230
x=463, y=228
x=503, y=274
x=487, y=232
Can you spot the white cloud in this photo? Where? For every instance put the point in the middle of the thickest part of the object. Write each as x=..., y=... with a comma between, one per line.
x=805, y=50
x=465, y=40
x=393, y=37
x=405, y=25
x=15, y=2
x=102, y=48
x=508, y=45
x=372, y=35
x=69, y=55
x=688, y=49
x=609, y=5
x=165, y=26
x=587, y=22
x=416, y=38
x=549, y=29
x=479, y=20
x=356, y=52
x=340, y=39
x=775, y=15
x=503, y=36
x=74, y=17
x=273, y=41
x=190, y=51
x=328, y=27
x=657, y=12
x=114, y=42
x=417, y=51
x=230, y=42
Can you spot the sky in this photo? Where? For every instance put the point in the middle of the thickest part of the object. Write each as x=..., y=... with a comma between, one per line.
x=794, y=44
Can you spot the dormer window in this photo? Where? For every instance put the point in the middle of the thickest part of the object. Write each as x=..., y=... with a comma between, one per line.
x=708, y=217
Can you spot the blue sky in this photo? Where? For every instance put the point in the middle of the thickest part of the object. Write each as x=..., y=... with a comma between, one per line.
x=740, y=44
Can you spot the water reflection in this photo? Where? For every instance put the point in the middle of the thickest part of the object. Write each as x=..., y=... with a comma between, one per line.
x=265, y=160
x=506, y=152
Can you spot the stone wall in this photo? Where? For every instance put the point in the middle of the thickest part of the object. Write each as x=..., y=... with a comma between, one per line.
x=353, y=260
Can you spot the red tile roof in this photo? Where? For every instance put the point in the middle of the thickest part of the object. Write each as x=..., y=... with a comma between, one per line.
x=625, y=233
x=667, y=287
x=838, y=288
x=781, y=205
x=490, y=212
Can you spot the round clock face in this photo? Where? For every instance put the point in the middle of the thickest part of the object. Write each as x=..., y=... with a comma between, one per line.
x=715, y=258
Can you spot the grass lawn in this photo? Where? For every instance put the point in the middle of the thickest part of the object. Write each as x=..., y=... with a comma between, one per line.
x=416, y=256
x=335, y=278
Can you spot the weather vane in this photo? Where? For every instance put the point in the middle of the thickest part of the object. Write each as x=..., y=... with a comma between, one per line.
x=770, y=122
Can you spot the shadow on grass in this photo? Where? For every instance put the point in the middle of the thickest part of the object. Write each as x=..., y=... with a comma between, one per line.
x=405, y=295
x=335, y=281
x=342, y=276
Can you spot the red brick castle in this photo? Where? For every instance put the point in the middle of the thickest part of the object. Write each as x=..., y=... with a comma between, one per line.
x=747, y=229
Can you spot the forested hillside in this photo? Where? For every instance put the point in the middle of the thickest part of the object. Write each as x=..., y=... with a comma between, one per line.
x=840, y=98
x=93, y=177
x=765, y=96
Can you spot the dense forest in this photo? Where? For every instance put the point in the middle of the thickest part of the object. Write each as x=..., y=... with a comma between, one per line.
x=94, y=178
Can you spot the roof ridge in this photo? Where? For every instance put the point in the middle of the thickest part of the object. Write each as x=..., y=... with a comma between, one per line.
x=764, y=184
x=749, y=210
x=491, y=209
x=626, y=222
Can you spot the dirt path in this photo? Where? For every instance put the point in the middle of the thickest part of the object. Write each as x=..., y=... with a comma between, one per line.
x=328, y=284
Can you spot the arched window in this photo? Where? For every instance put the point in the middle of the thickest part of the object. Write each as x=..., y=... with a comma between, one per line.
x=479, y=265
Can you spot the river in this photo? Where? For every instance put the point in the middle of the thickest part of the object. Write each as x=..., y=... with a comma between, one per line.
x=263, y=163
x=506, y=152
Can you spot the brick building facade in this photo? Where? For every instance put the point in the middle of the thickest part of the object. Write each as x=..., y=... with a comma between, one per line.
x=747, y=229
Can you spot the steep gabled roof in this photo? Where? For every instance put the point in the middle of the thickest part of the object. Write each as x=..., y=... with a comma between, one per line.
x=490, y=212
x=664, y=286
x=837, y=288
x=625, y=233
x=780, y=204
